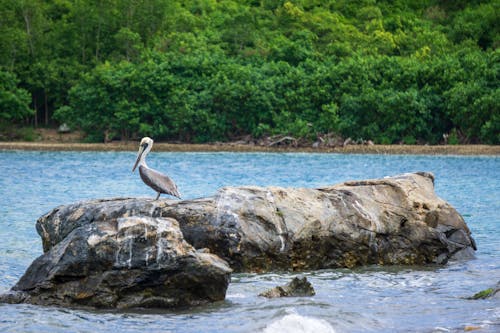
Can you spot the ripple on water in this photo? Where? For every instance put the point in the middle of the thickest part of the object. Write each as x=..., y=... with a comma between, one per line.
x=396, y=299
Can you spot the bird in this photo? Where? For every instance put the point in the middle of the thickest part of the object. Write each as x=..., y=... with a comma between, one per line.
x=157, y=181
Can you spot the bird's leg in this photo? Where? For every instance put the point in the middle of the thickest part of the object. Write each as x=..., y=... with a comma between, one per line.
x=157, y=196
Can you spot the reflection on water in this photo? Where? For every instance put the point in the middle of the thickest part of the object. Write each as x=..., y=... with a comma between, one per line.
x=399, y=299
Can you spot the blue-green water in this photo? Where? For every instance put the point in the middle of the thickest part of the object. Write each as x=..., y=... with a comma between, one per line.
x=378, y=299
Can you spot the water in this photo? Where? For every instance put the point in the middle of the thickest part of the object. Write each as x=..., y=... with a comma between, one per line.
x=370, y=299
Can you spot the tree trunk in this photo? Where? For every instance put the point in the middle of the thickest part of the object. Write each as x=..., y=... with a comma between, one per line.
x=46, y=108
x=36, y=111
x=28, y=31
x=97, y=40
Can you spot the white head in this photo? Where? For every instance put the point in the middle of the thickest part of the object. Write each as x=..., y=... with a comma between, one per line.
x=144, y=148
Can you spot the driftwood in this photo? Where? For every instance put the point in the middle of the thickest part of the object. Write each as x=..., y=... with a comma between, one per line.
x=283, y=140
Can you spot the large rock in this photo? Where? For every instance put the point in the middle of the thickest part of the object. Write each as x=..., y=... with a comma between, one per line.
x=395, y=220
x=123, y=262
x=141, y=252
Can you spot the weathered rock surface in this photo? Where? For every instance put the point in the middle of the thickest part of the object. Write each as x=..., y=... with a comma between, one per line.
x=395, y=220
x=298, y=287
x=130, y=252
x=123, y=262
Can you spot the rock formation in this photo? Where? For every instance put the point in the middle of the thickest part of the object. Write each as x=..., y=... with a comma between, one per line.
x=298, y=287
x=129, y=252
x=122, y=262
x=395, y=220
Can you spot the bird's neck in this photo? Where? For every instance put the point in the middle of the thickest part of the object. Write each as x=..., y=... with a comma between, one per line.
x=142, y=162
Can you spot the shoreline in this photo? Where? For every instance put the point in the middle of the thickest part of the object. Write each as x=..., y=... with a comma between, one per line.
x=472, y=150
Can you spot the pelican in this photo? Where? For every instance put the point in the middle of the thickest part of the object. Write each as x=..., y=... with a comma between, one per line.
x=154, y=179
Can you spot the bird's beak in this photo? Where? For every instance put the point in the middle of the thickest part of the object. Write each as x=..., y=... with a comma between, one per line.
x=141, y=151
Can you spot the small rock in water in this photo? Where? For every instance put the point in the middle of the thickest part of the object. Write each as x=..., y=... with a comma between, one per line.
x=295, y=288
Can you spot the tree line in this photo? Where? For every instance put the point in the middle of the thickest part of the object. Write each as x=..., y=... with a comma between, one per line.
x=207, y=70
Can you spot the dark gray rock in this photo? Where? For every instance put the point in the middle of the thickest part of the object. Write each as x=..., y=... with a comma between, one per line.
x=298, y=287
x=122, y=262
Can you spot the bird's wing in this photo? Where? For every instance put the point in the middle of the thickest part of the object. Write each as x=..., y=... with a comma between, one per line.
x=159, y=182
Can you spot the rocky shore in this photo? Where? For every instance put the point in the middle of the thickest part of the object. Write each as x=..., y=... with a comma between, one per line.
x=236, y=147
x=131, y=252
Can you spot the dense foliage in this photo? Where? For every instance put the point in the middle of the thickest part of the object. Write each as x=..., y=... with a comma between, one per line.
x=206, y=70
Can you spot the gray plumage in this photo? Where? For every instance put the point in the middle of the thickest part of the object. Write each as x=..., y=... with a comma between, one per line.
x=157, y=181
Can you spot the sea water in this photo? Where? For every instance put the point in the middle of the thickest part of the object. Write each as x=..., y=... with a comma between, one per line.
x=367, y=299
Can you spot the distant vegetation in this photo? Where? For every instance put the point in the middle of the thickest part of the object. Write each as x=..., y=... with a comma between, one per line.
x=208, y=70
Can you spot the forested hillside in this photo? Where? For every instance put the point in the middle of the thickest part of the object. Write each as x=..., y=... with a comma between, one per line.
x=207, y=70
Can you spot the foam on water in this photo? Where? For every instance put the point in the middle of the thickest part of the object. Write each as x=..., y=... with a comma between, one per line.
x=295, y=323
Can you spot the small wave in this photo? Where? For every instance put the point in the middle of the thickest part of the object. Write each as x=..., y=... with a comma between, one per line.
x=237, y=295
x=295, y=323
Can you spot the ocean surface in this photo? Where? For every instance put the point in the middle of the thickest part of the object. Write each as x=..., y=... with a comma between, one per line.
x=368, y=299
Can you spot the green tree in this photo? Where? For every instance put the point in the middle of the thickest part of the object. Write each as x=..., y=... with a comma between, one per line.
x=205, y=70
x=14, y=101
